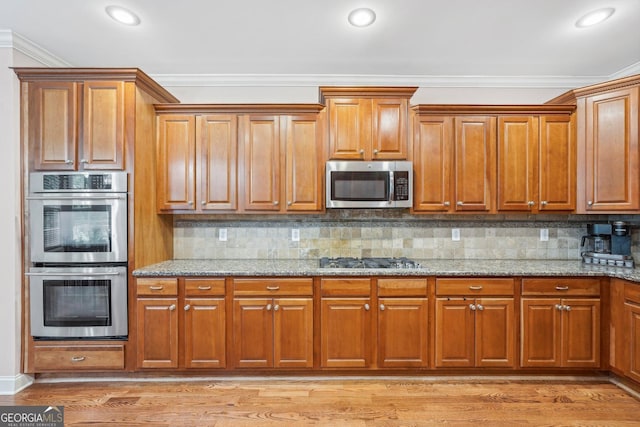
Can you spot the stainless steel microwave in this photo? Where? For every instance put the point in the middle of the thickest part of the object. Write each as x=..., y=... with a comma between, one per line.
x=358, y=184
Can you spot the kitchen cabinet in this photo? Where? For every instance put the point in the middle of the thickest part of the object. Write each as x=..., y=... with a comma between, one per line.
x=367, y=123
x=346, y=323
x=77, y=125
x=403, y=323
x=273, y=323
x=560, y=323
x=454, y=162
x=632, y=316
x=197, y=162
x=475, y=323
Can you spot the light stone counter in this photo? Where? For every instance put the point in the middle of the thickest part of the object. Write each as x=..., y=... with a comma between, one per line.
x=439, y=267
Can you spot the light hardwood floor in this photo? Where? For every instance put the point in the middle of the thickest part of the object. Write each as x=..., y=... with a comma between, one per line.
x=336, y=402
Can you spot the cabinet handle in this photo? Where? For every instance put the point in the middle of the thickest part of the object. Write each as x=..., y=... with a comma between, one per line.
x=187, y=307
x=273, y=288
x=367, y=307
x=172, y=307
x=480, y=307
x=559, y=307
x=472, y=307
x=447, y=203
x=276, y=307
x=381, y=307
x=544, y=203
x=590, y=203
x=156, y=288
x=268, y=307
x=204, y=288
x=475, y=287
x=78, y=359
x=562, y=288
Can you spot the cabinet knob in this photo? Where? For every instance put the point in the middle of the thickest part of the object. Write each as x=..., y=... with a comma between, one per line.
x=203, y=203
x=447, y=203
x=78, y=359
x=289, y=203
x=558, y=307
x=375, y=152
x=276, y=203
x=69, y=162
x=459, y=203
x=590, y=203
x=276, y=307
x=544, y=203
x=567, y=308
x=187, y=307
x=367, y=307
x=190, y=202
x=268, y=307
x=361, y=152
x=531, y=203
x=84, y=161
x=381, y=307
x=172, y=307
x=472, y=307
x=480, y=307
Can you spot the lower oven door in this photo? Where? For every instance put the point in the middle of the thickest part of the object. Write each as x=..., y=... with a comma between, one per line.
x=78, y=302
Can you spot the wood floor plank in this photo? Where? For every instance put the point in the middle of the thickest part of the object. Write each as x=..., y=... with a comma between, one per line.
x=336, y=402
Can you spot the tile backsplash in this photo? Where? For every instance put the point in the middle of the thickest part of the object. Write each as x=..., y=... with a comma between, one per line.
x=418, y=239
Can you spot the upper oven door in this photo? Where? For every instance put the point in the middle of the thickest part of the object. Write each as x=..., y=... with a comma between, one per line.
x=79, y=227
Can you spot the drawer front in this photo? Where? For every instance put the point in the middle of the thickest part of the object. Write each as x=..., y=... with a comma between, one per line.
x=402, y=287
x=473, y=286
x=345, y=287
x=203, y=287
x=561, y=286
x=58, y=358
x=273, y=287
x=632, y=293
x=156, y=286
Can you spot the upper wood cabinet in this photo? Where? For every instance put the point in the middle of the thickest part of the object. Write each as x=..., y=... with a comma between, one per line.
x=77, y=125
x=261, y=177
x=367, y=123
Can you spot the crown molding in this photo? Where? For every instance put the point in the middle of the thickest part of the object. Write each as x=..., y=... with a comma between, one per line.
x=10, y=39
x=627, y=71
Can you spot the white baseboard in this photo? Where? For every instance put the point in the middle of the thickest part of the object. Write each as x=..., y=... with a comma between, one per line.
x=12, y=385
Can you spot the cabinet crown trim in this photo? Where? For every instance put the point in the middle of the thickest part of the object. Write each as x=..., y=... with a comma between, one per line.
x=238, y=108
x=439, y=109
x=366, y=92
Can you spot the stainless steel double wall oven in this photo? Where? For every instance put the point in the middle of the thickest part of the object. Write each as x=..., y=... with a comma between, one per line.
x=78, y=245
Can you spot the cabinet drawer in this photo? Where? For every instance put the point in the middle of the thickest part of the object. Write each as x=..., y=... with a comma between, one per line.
x=203, y=287
x=632, y=293
x=402, y=287
x=346, y=287
x=55, y=358
x=561, y=286
x=156, y=286
x=470, y=287
x=273, y=287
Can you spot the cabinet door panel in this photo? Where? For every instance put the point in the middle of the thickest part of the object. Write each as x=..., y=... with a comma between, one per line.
x=176, y=162
x=540, y=336
x=557, y=166
x=103, y=125
x=345, y=333
x=612, y=151
x=53, y=125
x=350, y=128
x=389, y=129
x=293, y=333
x=454, y=333
x=517, y=162
x=581, y=333
x=157, y=326
x=204, y=328
x=432, y=163
x=253, y=333
x=632, y=312
x=262, y=163
x=474, y=162
x=305, y=163
x=495, y=335
x=218, y=157
x=403, y=332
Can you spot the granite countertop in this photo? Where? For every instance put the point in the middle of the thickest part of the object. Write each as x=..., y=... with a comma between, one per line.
x=431, y=267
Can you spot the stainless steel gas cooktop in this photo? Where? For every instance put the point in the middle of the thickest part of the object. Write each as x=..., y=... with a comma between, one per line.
x=348, y=262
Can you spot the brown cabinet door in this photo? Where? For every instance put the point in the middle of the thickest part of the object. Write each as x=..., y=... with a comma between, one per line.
x=349, y=128
x=632, y=314
x=581, y=333
x=204, y=333
x=389, y=129
x=253, y=333
x=611, y=151
x=217, y=152
x=293, y=332
x=403, y=333
x=474, y=163
x=345, y=332
x=304, y=150
x=495, y=332
x=540, y=334
x=53, y=125
x=557, y=165
x=157, y=330
x=103, y=134
x=433, y=163
x=261, y=162
x=176, y=162
x=455, y=335
x=517, y=163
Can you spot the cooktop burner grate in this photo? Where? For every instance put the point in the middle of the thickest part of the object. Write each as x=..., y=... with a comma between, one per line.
x=348, y=262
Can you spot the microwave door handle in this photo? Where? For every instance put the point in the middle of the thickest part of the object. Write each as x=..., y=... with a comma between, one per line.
x=79, y=197
x=87, y=275
x=392, y=190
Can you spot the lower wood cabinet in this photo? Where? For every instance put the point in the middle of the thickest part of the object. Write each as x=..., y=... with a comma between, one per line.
x=78, y=357
x=560, y=323
x=632, y=317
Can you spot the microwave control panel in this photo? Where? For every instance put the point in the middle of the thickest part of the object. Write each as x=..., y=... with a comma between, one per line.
x=401, y=185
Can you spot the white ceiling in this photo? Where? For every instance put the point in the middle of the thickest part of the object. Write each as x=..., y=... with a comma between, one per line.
x=428, y=39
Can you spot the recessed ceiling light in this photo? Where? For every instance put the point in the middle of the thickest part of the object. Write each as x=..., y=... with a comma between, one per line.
x=595, y=17
x=122, y=15
x=362, y=17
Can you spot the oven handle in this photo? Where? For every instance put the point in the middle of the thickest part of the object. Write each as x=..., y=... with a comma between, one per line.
x=51, y=273
x=79, y=197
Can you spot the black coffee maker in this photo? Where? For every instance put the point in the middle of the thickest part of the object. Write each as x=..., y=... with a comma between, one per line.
x=607, y=244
